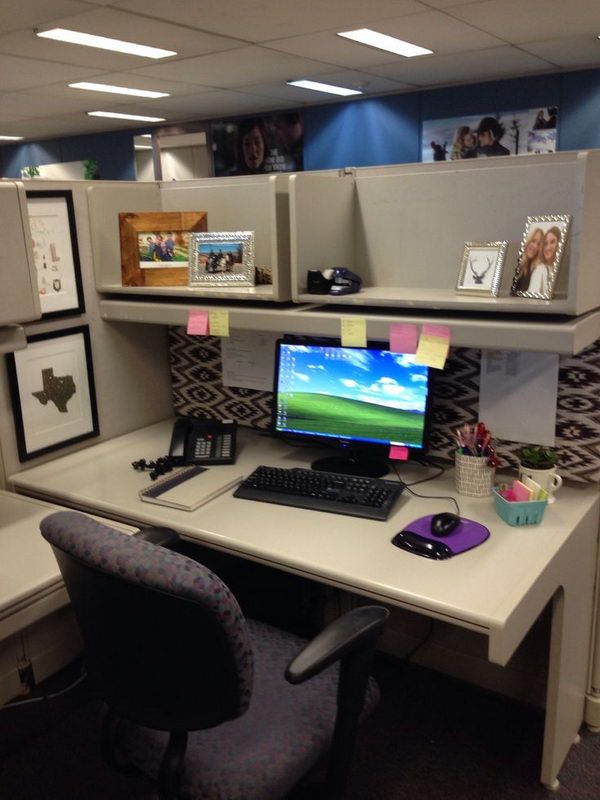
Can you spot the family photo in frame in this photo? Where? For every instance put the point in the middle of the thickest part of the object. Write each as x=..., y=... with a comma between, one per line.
x=223, y=258
x=540, y=256
x=481, y=268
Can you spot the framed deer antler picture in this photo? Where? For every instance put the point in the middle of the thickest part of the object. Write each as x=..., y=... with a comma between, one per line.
x=481, y=268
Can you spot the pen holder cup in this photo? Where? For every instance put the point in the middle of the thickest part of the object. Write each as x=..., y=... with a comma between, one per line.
x=473, y=476
x=528, y=513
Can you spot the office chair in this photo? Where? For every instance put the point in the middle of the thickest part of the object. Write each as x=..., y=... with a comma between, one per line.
x=213, y=705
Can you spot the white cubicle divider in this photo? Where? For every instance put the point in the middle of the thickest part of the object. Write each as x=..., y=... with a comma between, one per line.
x=405, y=228
x=19, y=298
x=258, y=203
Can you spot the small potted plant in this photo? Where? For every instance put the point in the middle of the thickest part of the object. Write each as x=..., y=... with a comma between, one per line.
x=539, y=464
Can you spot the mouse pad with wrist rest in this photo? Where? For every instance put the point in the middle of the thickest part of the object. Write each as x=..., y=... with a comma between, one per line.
x=467, y=535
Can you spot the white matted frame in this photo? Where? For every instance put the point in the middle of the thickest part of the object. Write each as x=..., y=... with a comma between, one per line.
x=55, y=252
x=540, y=256
x=52, y=391
x=222, y=259
x=481, y=268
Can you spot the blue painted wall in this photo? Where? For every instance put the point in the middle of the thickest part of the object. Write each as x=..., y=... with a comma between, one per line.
x=365, y=132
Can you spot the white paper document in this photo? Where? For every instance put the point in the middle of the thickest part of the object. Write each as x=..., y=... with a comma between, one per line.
x=248, y=359
x=517, y=395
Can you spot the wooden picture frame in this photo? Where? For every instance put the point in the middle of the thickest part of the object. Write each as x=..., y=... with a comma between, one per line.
x=155, y=246
x=55, y=252
x=53, y=392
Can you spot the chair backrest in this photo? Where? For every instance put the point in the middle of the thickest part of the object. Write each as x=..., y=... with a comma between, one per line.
x=164, y=637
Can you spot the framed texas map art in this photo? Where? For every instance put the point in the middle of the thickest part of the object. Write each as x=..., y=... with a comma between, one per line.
x=52, y=391
x=55, y=252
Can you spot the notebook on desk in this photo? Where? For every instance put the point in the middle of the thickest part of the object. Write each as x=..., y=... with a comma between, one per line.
x=190, y=487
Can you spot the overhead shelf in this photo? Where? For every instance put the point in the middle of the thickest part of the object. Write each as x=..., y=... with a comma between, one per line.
x=556, y=334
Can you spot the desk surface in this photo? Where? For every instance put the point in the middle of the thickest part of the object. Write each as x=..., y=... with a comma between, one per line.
x=482, y=589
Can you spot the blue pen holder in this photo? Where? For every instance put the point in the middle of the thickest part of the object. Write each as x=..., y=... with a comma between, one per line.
x=527, y=513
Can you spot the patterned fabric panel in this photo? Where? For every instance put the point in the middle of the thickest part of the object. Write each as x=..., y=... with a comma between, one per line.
x=143, y=563
x=263, y=754
x=197, y=391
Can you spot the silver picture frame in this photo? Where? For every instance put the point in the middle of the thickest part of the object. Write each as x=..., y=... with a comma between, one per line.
x=540, y=255
x=224, y=258
x=481, y=268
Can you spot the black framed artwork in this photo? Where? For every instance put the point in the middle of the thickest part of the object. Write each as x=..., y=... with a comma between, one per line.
x=55, y=252
x=52, y=391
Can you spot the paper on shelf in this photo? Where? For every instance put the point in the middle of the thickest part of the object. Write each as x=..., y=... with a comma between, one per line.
x=403, y=338
x=354, y=332
x=197, y=324
x=434, y=345
x=219, y=323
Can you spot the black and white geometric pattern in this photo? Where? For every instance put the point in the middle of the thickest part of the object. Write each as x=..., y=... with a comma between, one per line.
x=198, y=392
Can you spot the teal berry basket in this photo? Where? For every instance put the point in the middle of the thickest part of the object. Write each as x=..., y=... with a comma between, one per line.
x=528, y=513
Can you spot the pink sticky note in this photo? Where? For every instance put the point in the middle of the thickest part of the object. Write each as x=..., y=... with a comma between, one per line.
x=440, y=331
x=403, y=338
x=521, y=492
x=197, y=324
x=398, y=453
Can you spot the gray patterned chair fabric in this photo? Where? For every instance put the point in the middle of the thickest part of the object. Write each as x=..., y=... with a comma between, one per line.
x=215, y=706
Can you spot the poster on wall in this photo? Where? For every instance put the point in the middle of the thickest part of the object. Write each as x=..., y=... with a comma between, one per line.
x=496, y=134
x=259, y=145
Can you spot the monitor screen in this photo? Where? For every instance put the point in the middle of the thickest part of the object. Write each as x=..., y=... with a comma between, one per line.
x=351, y=394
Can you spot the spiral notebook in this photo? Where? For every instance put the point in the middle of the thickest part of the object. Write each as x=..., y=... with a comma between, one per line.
x=191, y=487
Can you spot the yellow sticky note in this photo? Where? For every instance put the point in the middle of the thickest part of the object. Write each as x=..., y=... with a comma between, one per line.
x=354, y=332
x=218, y=323
x=433, y=347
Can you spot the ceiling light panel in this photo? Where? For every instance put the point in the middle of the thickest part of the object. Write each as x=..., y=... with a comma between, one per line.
x=118, y=115
x=105, y=43
x=105, y=87
x=382, y=41
x=10, y=138
x=328, y=88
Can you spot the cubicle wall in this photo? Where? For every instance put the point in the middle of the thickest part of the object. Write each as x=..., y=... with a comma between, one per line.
x=131, y=362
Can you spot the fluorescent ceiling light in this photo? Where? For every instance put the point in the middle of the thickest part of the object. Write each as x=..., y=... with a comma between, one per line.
x=142, y=147
x=384, y=42
x=11, y=138
x=105, y=87
x=104, y=43
x=146, y=135
x=117, y=115
x=324, y=87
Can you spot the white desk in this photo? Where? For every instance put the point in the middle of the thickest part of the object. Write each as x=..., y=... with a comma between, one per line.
x=498, y=589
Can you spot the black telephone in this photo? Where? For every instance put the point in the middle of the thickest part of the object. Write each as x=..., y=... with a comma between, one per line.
x=203, y=441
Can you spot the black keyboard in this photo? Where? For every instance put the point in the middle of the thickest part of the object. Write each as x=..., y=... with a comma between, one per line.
x=321, y=491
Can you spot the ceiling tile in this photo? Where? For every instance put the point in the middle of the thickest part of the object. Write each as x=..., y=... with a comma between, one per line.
x=22, y=73
x=433, y=30
x=572, y=51
x=261, y=20
x=38, y=104
x=496, y=62
x=209, y=105
x=236, y=68
x=16, y=14
x=517, y=21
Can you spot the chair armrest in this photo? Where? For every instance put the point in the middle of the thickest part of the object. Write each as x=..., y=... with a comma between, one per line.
x=165, y=537
x=355, y=629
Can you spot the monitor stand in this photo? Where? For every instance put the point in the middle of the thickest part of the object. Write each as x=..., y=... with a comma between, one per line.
x=352, y=464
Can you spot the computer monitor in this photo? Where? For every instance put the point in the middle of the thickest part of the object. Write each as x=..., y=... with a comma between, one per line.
x=361, y=399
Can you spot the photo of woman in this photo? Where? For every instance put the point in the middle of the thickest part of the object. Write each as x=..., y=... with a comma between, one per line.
x=540, y=256
x=528, y=259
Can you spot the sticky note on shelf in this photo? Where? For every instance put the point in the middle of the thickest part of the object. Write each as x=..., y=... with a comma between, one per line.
x=433, y=347
x=354, y=332
x=197, y=324
x=398, y=452
x=219, y=323
x=403, y=338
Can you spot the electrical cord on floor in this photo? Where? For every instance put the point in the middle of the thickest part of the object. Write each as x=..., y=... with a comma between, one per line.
x=407, y=486
x=50, y=696
x=419, y=645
